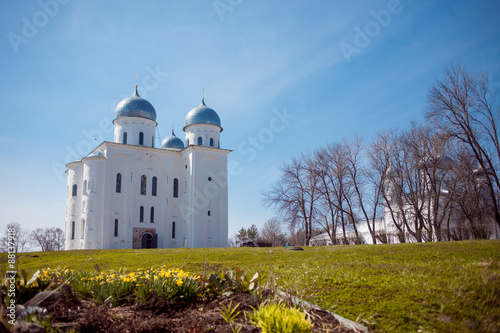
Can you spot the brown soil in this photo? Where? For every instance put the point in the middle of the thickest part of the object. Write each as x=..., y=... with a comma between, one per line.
x=161, y=315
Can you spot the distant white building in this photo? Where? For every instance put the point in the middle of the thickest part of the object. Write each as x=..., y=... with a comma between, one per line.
x=391, y=227
x=129, y=194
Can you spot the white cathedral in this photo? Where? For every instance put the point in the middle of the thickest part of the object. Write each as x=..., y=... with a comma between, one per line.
x=128, y=194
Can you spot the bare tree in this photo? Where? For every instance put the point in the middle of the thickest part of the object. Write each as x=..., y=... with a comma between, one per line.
x=335, y=189
x=271, y=233
x=19, y=238
x=432, y=154
x=367, y=185
x=328, y=215
x=460, y=104
x=410, y=187
x=295, y=195
x=48, y=239
x=470, y=195
x=383, y=148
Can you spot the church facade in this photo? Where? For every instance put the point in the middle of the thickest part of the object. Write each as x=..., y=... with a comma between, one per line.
x=130, y=194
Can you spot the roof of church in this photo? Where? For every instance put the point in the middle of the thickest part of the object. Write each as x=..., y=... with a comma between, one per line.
x=202, y=114
x=135, y=106
x=172, y=142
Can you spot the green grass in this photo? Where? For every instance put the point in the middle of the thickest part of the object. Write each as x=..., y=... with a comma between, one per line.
x=441, y=287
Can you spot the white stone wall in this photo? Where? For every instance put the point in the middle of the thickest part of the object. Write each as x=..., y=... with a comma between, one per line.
x=133, y=126
x=73, y=205
x=206, y=132
x=197, y=195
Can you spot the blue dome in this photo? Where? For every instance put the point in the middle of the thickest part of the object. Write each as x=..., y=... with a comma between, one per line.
x=172, y=142
x=202, y=114
x=135, y=106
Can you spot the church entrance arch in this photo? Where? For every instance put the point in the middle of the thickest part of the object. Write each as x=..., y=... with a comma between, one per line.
x=145, y=238
x=147, y=241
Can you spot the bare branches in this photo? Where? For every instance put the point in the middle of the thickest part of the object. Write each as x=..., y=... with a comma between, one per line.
x=49, y=239
x=21, y=238
x=295, y=195
x=436, y=181
x=461, y=105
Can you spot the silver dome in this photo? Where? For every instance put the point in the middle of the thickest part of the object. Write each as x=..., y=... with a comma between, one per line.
x=135, y=106
x=172, y=142
x=202, y=114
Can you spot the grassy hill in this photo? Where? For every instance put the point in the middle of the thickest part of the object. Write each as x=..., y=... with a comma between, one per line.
x=442, y=287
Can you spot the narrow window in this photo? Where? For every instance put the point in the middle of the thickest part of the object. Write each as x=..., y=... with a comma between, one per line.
x=144, y=180
x=74, y=190
x=84, y=190
x=118, y=183
x=83, y=228
x=141, y=214
x=141, y=139
x=209, y=213
x=218, y=144
x=211, y=142
x=176, y=188
x=125, y=137
x=187, y=142
x=73, y=230
x=153, y=186
x=152, y=141
x=173, y=229
x=200, y=141
x=152, y=216
x=116, y=228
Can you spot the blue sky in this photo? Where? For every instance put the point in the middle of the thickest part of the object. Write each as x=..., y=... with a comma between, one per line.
x=329, y=69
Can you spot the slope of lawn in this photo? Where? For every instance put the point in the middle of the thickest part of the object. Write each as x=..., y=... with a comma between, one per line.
x=441, y=287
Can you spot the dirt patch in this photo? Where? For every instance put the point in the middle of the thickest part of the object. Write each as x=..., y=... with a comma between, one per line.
x=161, y=315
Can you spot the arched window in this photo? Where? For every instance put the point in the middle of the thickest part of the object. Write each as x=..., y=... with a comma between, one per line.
x=187, y=142
x=141, y=214
x=173, y=229
x=176, y=188
x=218, y=143
x=144, y=180
x=116, y=228
x=125, y=137
x=83, y=228
x=152, y=215
x=200, y=141
x=152, y=141
x=141, y=139
x=73, y=230
x=118, y=183
x=84, y=190
x=74, y=190
x=211, y=142
x=154, y=186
